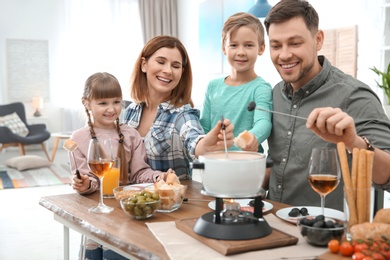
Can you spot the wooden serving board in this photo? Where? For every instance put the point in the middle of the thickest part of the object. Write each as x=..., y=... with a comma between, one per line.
x=229, y=247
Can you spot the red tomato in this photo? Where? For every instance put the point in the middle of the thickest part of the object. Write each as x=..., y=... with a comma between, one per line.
x=346, y=248
x=334, y=246
x=377, y=256
x=360, y=247
x=358, y=256
x=386, y=254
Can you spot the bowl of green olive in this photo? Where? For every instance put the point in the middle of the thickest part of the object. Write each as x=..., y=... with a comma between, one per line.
x=142, y=205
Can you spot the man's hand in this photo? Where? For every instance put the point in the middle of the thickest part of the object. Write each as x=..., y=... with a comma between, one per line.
x=333, y=125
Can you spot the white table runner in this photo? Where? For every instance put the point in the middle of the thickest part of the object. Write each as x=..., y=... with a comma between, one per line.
x=180, y=245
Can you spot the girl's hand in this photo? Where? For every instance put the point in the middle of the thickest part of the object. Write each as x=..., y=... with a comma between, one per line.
x=82, y=184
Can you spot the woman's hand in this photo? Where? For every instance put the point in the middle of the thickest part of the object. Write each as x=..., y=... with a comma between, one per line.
x=82, y=184
x=164, y=175
x=214, y=140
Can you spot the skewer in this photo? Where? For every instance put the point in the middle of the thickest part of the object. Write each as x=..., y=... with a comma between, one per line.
x=224, y=137
x=252, y=106
x=70, y=146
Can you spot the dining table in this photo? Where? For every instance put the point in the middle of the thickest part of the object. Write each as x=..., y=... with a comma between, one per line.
x=133, y=238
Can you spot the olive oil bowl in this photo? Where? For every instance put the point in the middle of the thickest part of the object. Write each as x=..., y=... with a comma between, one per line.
x=142, y=205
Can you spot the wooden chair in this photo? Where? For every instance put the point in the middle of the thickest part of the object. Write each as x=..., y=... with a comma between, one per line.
x=37, y=132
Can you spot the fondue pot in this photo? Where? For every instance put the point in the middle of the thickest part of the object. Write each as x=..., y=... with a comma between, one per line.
x=233, y=175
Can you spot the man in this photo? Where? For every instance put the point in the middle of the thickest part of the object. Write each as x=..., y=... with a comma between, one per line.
x=339, y=108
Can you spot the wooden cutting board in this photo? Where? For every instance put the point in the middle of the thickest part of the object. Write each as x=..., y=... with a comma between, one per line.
x=228, y=247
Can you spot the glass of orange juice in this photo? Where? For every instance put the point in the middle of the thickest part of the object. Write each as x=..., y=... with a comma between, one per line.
x=111, y=179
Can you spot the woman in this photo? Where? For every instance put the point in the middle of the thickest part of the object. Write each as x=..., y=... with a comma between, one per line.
x=162, y=110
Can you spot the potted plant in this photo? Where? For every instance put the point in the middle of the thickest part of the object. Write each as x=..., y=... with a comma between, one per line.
x=385, y=85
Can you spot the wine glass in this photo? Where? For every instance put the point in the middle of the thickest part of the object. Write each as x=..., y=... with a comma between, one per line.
x=324, y=172
x=100, y=161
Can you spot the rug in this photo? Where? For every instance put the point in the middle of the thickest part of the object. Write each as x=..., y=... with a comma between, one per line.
x=55, y=174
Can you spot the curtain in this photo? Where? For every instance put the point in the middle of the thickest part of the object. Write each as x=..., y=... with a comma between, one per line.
x=158, y=17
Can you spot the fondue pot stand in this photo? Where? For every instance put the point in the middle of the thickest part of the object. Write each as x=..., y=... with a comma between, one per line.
x=239, y=175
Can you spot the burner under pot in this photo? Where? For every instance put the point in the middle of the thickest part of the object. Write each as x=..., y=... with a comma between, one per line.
x=230, y=223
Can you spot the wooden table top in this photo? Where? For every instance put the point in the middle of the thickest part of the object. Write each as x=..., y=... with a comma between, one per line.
x=127, y=234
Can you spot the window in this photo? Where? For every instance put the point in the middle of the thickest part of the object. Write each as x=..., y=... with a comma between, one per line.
x=340, y=48
x=97, y=36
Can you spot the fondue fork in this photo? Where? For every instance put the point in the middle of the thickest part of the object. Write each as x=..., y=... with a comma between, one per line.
x=70, y=146
x=224, y=137
x=252, y=106
x=189, y=199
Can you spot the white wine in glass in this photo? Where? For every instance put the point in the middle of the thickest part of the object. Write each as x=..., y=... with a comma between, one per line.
x=100, y=161
x=324, y=172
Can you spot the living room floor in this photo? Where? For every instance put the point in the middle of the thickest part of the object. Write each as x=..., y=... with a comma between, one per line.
x=29, y=231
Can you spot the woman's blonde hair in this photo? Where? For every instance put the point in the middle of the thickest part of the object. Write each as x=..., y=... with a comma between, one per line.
x=181, y=94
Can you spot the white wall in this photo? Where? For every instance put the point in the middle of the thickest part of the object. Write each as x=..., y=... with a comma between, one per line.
x=30, y=20
x=42, y=19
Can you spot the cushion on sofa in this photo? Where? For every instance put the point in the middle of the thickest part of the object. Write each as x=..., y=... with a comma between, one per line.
x=14, y=123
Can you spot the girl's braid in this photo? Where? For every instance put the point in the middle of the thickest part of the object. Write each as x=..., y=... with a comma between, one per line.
x=121, y=154
x=90, y=124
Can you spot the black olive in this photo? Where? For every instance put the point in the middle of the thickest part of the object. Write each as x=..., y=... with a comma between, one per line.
x=330, y=224
x=337, y=225
x=294, y=212
x=320, y=217
x=306, y=222
x=319, y=224
x=304, y=211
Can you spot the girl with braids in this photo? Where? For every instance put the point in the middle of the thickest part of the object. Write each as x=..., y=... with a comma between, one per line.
x=102, y=99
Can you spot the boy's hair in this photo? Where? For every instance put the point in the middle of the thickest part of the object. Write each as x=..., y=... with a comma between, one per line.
x=235, y=21
x=99, y=86
x=287, y=9
x=181, y=94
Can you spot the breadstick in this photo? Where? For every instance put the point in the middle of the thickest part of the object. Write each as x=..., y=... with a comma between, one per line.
x=355, y=160
x=370, y=165
x=347, y=184
x=361, y=194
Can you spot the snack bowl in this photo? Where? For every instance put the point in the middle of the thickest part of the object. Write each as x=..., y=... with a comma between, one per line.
x=318, y=231
x=122, y=192
x=172, y=198
x=142, y=205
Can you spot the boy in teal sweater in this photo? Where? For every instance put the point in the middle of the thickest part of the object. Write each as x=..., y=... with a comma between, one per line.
x=242, y=43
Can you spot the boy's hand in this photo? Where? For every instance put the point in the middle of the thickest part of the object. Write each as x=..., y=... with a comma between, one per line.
x=252, y=145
